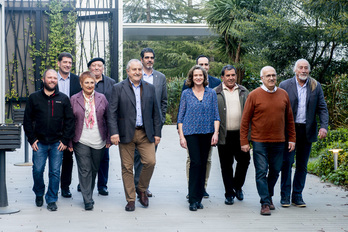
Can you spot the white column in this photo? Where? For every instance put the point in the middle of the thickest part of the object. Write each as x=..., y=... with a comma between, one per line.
x=120, y=40
x=2, y=62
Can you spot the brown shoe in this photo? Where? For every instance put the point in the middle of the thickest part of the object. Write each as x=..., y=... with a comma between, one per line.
x=265, y=210
x=148, y=193
x=130, y=206
x=143, y=199
x=271, y=206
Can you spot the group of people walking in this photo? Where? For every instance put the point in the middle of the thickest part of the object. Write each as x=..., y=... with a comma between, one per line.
x=87, y=115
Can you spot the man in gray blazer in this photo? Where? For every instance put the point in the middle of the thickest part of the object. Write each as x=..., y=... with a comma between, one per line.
x=158, y=79
x=135, y=122
x=307, y=101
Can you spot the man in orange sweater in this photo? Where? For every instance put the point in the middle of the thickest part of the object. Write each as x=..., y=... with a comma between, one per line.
x=268, y=112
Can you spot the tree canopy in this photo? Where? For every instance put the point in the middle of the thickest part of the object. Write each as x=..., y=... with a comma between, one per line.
x=281, y=31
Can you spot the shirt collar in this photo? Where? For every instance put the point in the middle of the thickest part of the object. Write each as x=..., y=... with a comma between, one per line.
x=60, y=77
x=298, y=84
x=224, y=87
x=133, y=83
x=144, y=74
x=267, y=90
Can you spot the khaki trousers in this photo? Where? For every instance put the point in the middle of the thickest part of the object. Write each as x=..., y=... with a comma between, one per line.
x=148, y=159
x=188, y=161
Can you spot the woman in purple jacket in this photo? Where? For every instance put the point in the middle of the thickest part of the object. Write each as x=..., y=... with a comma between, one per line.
x=91, y=134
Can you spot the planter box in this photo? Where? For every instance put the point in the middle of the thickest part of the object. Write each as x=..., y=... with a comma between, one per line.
x=18, y=115
x=10, y=136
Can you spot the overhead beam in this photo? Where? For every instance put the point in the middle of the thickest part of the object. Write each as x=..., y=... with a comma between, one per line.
x=156, y=31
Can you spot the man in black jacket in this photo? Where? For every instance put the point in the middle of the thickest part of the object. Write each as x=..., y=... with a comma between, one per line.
x=103, y=85
x=69, y=84
x=49, y=125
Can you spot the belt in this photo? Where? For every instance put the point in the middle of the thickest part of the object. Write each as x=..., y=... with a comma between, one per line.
x=300, y=124
x=139, y=127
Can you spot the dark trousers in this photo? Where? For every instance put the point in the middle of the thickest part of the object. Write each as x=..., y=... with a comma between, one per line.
x=268, y=158
x=103, y=173
x=67, y=167
x=198, y=146
x=227, y=153
x=88, y=161
x=302, y=151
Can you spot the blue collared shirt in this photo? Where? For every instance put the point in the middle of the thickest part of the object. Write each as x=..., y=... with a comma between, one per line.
x=64, y=84
x=148, y=78
x=302, y=97
x=136, y=89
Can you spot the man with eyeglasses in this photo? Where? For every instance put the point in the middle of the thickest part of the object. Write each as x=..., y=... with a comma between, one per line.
x=157, y=79
x=103, y=85
x=213, y=82
x=268, y=111
x=307, y=101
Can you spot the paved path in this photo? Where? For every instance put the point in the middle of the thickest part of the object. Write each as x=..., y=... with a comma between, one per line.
x=327, y=205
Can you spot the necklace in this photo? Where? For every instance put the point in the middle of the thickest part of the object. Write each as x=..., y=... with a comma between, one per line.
x=199, y=94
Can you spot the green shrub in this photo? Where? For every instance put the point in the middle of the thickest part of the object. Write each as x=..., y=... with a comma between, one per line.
x=334, y=137
x=168, y=120
x=313, y=166
x=174, y=87
x=324, y=165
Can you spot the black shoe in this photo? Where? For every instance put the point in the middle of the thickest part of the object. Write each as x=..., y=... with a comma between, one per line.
x=52, y=206
x=89, y=206
x=39, y=201
x=271, y=205
x=193, y=207
x=149, y=194
x=199, y=205
x=298, y=201
x=66, y=193
x=103, y=192
x=285, y=201
x=239, y=194
x=229, y=201
x=205, y=194
x=78, y=188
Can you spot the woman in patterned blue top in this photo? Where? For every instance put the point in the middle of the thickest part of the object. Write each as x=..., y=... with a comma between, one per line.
x=198, y=125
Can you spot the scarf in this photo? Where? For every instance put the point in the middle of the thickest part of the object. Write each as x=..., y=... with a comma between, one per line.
x=89, y=112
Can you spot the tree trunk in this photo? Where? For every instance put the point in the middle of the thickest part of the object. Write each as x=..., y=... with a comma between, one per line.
x=189, y=11
x=240, y=71
x=148, y=11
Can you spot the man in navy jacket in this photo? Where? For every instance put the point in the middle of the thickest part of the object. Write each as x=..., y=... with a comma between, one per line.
x=307, y=102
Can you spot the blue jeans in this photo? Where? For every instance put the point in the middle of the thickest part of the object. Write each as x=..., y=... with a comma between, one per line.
x=268, y=158
x=302, y=151
x=40, y=156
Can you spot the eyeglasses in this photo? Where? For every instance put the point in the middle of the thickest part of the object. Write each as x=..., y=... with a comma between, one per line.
x=149, y=57
x=203, y=64
x=271, y=75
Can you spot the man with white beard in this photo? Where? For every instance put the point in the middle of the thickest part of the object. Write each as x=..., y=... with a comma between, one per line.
x=307, y=101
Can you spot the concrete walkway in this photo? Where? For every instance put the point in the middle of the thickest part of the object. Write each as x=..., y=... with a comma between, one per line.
x=327, y=205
